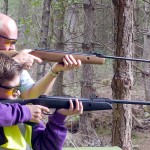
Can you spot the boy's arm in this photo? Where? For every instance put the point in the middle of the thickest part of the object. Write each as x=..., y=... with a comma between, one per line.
x=51, y=137
x=12, y=114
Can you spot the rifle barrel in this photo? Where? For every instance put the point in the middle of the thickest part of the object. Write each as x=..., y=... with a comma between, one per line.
x=121, y=58
x=133, y=102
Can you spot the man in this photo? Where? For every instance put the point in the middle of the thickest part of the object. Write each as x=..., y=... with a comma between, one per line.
x=18, y=136
x=29, y=89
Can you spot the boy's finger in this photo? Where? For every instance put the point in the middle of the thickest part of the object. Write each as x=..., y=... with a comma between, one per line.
x=71, y=105
x=77, y=105
x=81, y=107
x=45, y=109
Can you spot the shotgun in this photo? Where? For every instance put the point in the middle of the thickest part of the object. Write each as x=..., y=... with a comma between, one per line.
x=92, y=104
x=57, y=56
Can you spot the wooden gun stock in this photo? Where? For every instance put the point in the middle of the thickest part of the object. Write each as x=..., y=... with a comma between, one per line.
x=11, y=53
x=57, y=56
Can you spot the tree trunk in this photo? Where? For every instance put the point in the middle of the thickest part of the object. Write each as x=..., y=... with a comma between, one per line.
x=138, y=50
x=5, y=7
x=146, y=54
x=59, y=32
x=123, y=78
x=41, y=70
x=72, y=27
x=88, y=72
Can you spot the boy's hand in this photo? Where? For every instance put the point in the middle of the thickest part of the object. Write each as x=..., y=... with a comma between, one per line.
x=37, y=112
x=72, y=110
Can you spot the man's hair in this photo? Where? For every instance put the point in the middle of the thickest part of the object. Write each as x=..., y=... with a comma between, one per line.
x=9, y=68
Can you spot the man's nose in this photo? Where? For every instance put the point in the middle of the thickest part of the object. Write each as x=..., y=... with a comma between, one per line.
x=12, y=47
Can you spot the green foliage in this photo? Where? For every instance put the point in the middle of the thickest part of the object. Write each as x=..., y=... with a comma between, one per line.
x=59, y=5
x=140, y=2
x=26, y=21
x=73, y=1
x=134, y=136
x=103, y=131
x=73, y=118
x=35, y=3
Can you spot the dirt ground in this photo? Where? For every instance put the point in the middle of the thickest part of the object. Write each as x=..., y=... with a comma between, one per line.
x=101, y=131
x=102, y=134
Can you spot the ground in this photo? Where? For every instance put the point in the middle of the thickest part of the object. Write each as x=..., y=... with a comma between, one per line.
x=102, y=122
x=102, y=133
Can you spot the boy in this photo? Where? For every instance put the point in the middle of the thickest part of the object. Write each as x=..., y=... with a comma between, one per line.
x=17, y=135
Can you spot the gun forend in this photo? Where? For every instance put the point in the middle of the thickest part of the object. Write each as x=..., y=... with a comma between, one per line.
x=57, y=56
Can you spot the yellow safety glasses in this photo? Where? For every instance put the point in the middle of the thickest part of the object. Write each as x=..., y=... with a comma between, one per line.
x=9, y=41
x=10, y=90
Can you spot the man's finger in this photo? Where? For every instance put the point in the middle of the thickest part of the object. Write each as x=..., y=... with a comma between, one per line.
x=27, y=50
x=67, y=57
x=73, y=59
x=79, y=63
x=37, y=59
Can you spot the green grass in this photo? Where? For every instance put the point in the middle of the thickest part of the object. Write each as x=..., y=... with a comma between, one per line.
x=93, y=148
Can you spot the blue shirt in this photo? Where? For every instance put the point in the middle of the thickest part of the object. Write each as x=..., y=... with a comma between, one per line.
x=26, y=81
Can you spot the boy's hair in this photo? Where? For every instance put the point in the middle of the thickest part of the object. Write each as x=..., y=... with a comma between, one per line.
x=9, y=68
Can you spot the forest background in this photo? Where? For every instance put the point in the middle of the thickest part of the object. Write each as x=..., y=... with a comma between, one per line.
x=117, y=27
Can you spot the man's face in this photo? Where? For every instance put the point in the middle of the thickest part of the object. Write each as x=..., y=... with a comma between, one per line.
x=9, y=89
x=8, y=35
x=7, y=43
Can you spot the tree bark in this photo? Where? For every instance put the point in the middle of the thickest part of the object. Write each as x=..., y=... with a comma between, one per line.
x=58, y=88
x=88, y=72
x=123, y=78
x=41, y=70
x=72, y=28
x=146, y=54
x=5, y=7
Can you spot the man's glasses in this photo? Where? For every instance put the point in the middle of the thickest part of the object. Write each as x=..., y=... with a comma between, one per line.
x=9, y=41
x=10, y=90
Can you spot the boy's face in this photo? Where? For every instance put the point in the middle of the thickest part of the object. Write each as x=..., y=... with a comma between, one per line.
x=9, y=89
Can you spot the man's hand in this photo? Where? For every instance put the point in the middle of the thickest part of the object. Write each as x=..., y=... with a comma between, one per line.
x=26, y=59
x=37, y=112
x=69, y=63
x=72, y=111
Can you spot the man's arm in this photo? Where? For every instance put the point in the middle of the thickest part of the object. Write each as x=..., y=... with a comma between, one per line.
x=31, y=89
x=44, y=85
